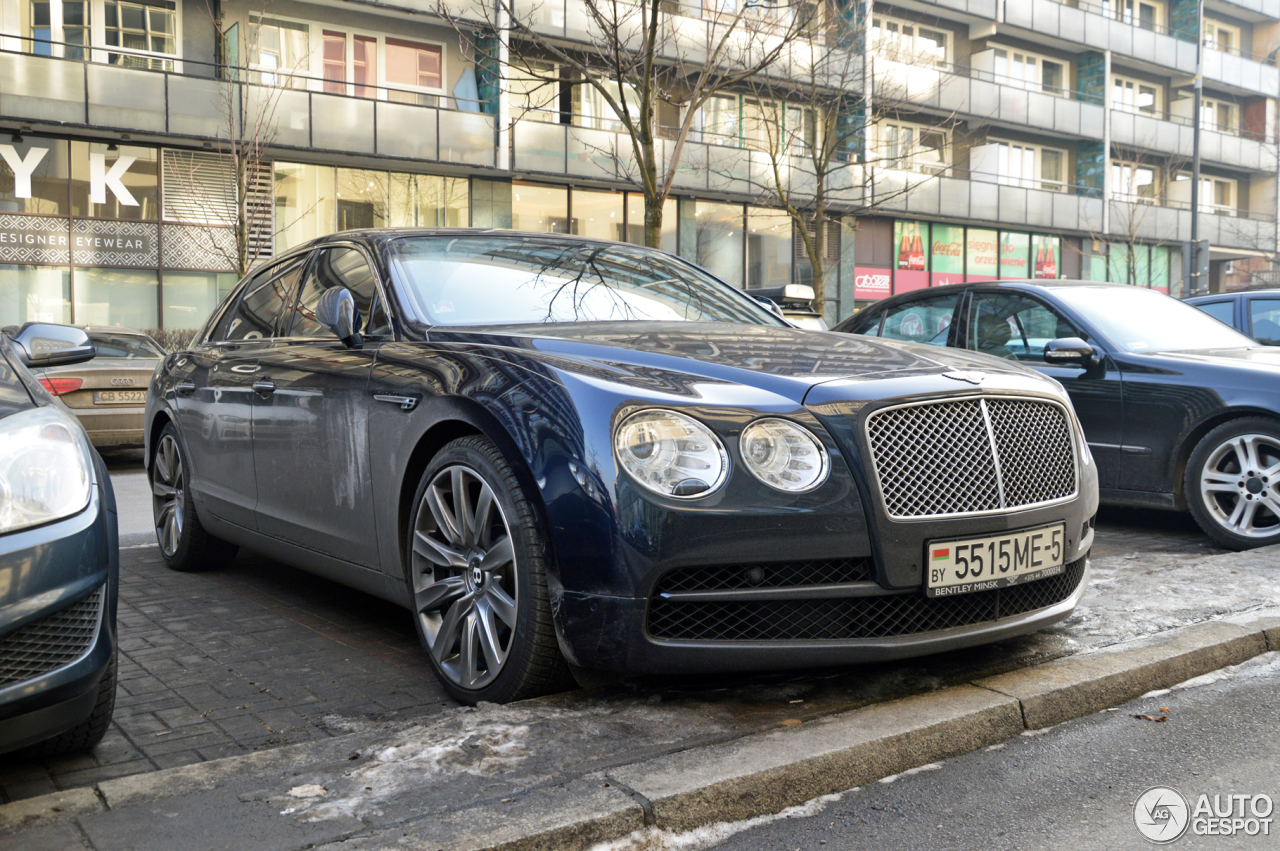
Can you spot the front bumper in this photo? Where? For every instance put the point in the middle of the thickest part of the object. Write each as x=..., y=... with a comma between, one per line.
x=611, y=633
x=48, y=570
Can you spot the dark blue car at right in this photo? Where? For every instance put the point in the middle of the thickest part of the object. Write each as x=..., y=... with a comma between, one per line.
x=1253, y=312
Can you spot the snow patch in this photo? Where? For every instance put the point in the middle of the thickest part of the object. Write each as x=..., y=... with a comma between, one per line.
x=1262, y=665
x=1160, y=692
x=309, y=790
x=656, y=839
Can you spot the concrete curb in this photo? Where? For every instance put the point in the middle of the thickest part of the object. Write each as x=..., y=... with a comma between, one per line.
x=758, y=774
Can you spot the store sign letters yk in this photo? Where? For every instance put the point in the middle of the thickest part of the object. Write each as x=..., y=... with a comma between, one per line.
x=101, y=178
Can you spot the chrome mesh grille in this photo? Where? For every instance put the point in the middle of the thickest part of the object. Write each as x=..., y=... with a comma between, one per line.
x=938, y=458
x=51, y=642
x=855, y=617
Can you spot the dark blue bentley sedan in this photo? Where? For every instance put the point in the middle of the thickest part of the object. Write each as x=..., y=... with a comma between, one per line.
x=564, y=452
x=59, y=557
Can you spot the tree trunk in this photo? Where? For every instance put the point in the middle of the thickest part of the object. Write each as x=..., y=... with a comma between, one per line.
x=652, y=202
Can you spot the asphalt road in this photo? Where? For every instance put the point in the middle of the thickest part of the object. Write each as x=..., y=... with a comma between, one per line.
x=1071, y=788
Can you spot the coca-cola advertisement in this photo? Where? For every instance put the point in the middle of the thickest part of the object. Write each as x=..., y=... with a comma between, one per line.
x=1046, y=250
x=946, y=255
x=910, y=272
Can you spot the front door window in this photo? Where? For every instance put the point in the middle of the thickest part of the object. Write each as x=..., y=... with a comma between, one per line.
x=1014, y=327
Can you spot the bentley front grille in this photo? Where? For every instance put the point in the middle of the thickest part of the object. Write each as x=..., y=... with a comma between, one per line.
x=972, y=455
x=52, y=642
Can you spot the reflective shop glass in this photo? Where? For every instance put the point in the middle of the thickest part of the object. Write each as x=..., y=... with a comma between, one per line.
x=719, y=238
x=427, y=200
x=769, y=251
x=189, y=297
x=361, y=198
x=130, y=181
x=339, y=267
x=598, y=215
x=635, y=221
x=34, y=294
x=121, y=297
x=541, y=209
x=304, y=203
x=46, y=165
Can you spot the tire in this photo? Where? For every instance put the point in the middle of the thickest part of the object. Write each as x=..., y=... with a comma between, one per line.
x=184, y=543
x=478, y=581
x=1233, y=483
x=89, y=732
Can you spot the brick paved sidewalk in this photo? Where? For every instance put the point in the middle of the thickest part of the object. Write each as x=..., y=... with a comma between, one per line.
x=254, y=656
x=260, y=655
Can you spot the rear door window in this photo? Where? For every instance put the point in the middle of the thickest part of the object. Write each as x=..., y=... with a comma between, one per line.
x=924, y=320
x=1223, y=311
x=263, y=303
x=1264, y=320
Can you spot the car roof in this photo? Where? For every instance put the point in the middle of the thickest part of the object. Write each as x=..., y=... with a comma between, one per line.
x=1270, y=291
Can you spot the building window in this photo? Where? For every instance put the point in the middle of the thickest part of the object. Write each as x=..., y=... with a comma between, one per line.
x=334, y=58
x=1135, y=182
x=35, y=294
x=279, y=53
x=364, y=66
x=1148, y=16
x=1134, y=95
x=769, y=250
x=598, y=215
x=911, y=147
x=1219, y=115
x=60, y=28
x=909, y=43
x=1220, y=36
x=1029, y=71
x=635, y=221
x=535, y=91
x=1030, y=166
x=142, y=27
x=541, y=209
x=590, y=109
x=416, y=67
x=122, y=297
x=718, y=229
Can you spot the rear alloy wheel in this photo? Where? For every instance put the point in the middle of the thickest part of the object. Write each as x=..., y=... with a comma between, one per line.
x=478, y=581
x=1233, y=483
x=184, y=543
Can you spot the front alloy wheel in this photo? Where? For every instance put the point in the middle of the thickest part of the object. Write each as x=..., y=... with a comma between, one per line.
x=477, y=577
x=1234, y=483
x=465, y=588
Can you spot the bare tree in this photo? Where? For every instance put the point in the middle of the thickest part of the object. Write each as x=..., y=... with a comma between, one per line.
x=819, y=128
x=644, y=60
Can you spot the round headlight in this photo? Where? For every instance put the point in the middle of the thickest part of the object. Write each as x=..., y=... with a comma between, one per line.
x=671, y=454
x=45, y=468
x=783, y=455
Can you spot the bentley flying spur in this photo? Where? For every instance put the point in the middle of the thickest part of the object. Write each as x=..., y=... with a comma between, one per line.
x=567, y=457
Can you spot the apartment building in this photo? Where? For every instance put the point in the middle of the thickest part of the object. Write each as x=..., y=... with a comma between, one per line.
x=1036, y=138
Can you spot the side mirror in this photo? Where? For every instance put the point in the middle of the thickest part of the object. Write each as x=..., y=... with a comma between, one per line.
x=770, y=305
x=1069, y=351
x=41, y=344
x=336, y=310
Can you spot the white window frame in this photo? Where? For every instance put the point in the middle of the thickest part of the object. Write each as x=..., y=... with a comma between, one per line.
x=1211, y=39
x=1134, y=85
x=1209, y=109
x=97, y=49
x=1004, y=176
x=1130, y=12
x=1157, y=196
x=912, y=163
x=911, y=55
x=1024, y=57
x=313, y=68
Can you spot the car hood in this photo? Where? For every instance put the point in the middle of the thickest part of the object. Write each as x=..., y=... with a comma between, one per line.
x=788, y=362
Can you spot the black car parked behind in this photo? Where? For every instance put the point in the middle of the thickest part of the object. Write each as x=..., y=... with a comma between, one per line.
x=1180, y=411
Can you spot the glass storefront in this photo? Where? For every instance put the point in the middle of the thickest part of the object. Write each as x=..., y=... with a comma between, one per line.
x=125, y=297
x=769, y=250
x=34, y=294
x=189, y=297
x=635, y=221
x=719, y=235
x=539, y=209
x=599, y=215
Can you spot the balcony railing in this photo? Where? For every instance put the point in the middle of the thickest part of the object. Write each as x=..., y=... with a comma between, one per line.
x=222, y=103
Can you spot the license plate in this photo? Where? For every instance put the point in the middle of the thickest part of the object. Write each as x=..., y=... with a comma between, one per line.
x=119, y=397
x=979, y=564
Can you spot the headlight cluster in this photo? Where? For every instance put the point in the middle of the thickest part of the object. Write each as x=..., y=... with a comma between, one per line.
x=675, y=455
x=45, y=468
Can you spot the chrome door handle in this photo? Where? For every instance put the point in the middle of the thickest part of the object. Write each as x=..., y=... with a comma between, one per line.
x=406, y=403
x=264, y=386
x=185, y=388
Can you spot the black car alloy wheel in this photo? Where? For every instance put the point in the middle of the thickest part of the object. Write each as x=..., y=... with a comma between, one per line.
x=1233, y=483
x=477, y=578
x=184, y=543
x=168, y=494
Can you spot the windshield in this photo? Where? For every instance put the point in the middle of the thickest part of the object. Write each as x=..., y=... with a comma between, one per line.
x=485, y=280
x=124, y=346
x=1141, y=320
